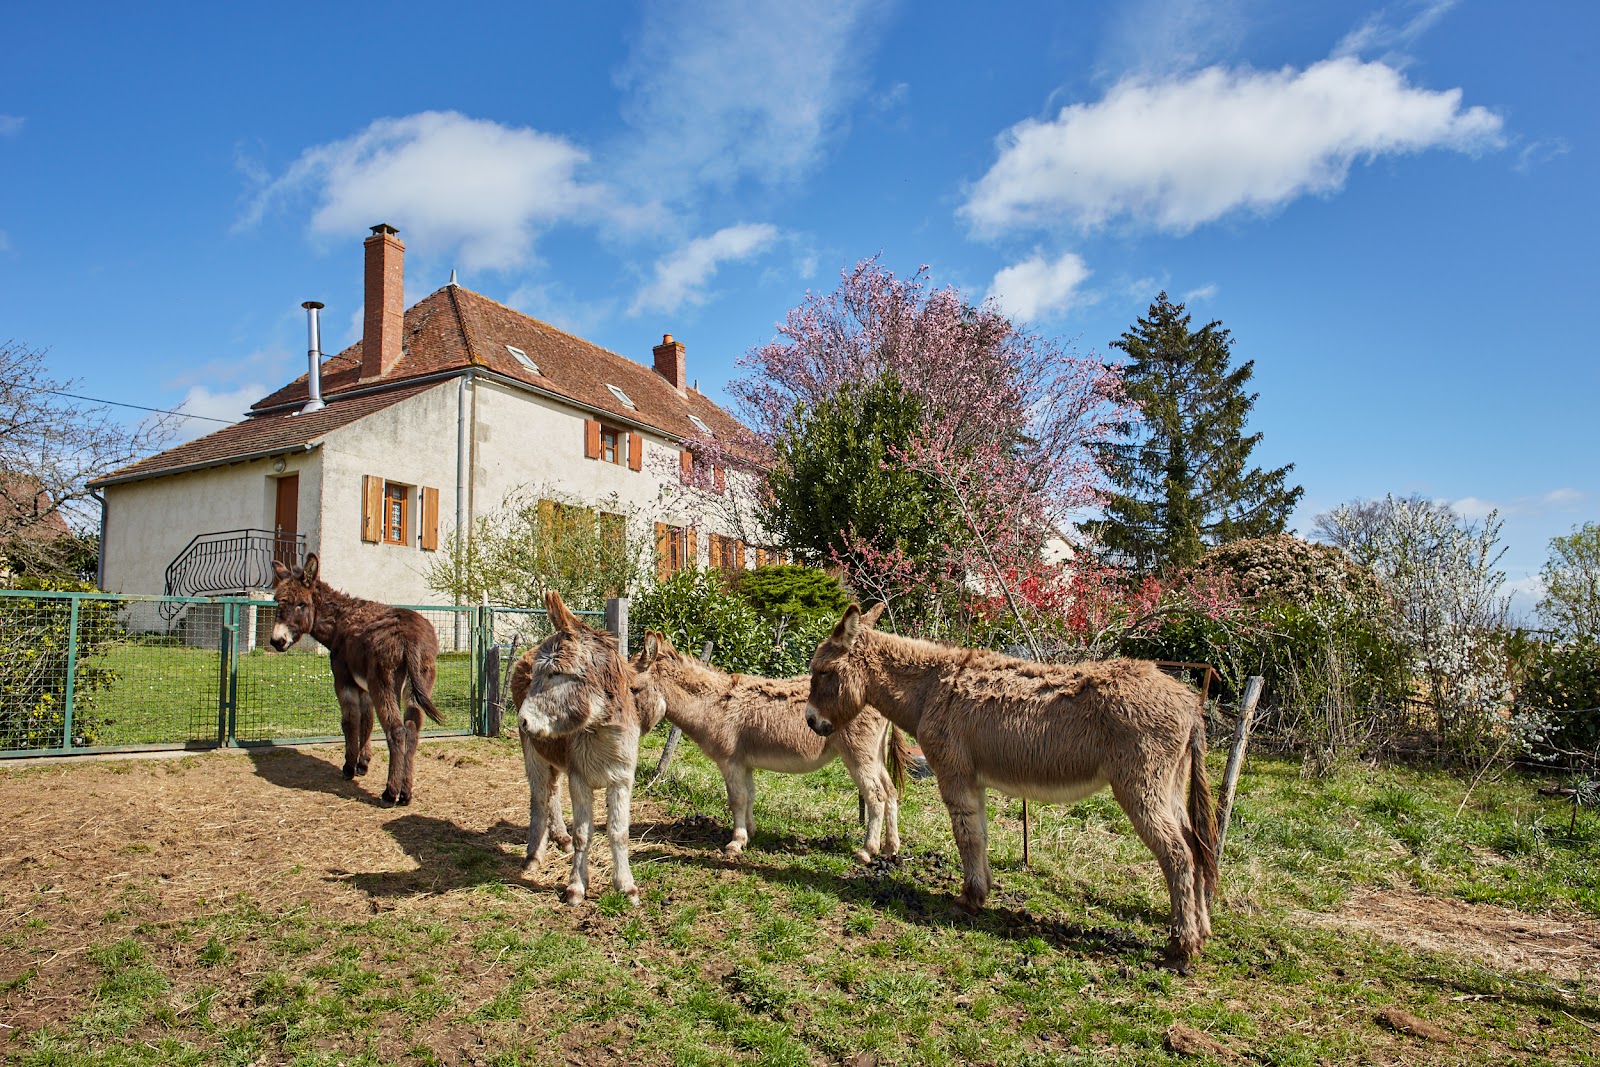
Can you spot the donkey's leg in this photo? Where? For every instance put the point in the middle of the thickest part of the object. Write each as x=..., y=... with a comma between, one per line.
x=582, y=794
x=867, y=772
x=619, y=799
x=558, y=827
x=1180, y=811
x=385, y=705
x=741, y=785
x=364, y=731
x=969, y=821
x=541, y=789
x=1141, y=795
x=413, y=727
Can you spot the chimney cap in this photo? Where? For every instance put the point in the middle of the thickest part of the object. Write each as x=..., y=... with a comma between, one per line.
x=384, y=229
x=310, y=304
x=666, y=338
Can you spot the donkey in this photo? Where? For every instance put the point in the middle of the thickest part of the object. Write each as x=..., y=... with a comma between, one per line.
x=1047, y=732
x=747, y=724
x=576, y=714
x=378, y=655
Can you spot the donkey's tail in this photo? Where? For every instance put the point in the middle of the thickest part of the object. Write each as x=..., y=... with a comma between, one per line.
x=1202, y=808
x=419, y=692
x=897, y=758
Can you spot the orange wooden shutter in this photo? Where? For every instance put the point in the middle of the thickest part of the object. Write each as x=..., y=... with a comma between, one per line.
x=430, y=519
x=636, y=451
x=591, y=438
x=685, y=462
x=691, y=555
x=716, y=552
x=663, y=550
x=722, y=479
x=371, y=508
x=547, y=516
x=738, y=555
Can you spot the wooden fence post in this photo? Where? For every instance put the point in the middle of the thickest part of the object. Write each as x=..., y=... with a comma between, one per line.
x=1230, y=777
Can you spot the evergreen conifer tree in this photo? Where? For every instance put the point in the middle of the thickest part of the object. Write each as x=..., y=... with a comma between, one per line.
x=1179, y=468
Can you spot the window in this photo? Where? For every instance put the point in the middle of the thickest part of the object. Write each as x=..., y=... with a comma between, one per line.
x=522, y=358
x=612, y=445
x=620, y=395
x=608, y=444
x=675, y=550
x=700, y=425
x=395, y=498
x=613, y=530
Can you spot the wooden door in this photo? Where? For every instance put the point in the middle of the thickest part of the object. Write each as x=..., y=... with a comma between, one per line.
x=287, y=521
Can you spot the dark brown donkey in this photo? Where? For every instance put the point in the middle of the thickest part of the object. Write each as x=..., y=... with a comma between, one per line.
x=1047, y=732
x=377, y=653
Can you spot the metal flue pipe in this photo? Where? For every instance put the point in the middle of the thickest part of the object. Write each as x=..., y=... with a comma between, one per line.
x=314, y=355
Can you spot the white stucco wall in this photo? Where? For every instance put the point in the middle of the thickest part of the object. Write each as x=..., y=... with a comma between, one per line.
x=149, y=523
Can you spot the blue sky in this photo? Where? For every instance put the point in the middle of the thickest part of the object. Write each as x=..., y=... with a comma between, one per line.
x=1388, y=204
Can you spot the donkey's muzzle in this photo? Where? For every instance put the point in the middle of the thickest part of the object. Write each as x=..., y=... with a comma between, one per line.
x=819, y=726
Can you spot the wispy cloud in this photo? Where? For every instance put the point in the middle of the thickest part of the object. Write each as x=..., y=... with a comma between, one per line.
x=1039, y=288
x=1532, y=506
x=681, y=277
x=1162, y=37
x=1536, y=154
x=734, y=90
x=230, y=404
x=1393, y=30
x=1204, y=292
x=11, y=125
x=1177, y=153
x=450, y=183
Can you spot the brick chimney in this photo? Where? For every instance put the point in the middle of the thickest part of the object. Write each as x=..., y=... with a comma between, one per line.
x=385, y=309
x=671, y=365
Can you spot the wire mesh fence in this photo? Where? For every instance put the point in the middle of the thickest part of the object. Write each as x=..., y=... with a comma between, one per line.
x=88, y=672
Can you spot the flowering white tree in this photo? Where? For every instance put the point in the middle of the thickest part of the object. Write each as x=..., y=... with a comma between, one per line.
x=1450, y=611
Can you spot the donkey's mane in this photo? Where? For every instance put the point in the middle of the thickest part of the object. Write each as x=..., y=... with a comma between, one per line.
x=988, y=659
x=709, y=672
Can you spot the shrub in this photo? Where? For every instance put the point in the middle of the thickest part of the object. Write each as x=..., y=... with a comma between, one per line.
x=1563, y=678
x=35, y=643
x=750, y=635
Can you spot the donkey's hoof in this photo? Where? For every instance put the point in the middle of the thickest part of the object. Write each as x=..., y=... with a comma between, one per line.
x=633, y=898
x=349, y=771
x=563, y=843
x=863, y=856
x=361, y=767
x=388, y=798
x=574, y=895
x=405, y=798
x=963, y=908
x=733, y=850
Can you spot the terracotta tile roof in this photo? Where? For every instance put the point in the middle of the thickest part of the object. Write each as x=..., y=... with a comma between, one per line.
x=455, y=328
x=26, y=508
x=261, y=435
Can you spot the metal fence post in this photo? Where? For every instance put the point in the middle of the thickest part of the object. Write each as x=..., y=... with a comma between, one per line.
x=72, y=675
x=617, y=620
x=228, y=675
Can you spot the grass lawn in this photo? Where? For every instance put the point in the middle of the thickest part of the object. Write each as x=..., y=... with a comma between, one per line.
x=362, y=936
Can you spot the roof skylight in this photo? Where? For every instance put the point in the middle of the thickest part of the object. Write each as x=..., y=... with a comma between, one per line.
x=522, y=358
x=620, y=395
x=700, y=425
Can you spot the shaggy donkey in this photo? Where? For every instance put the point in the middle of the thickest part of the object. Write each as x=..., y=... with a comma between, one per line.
x=576, y=714
x=377, y=654
x=1047, y=732
x=747, y=724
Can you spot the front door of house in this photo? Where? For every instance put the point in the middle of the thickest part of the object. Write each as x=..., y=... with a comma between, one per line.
x=287, y=522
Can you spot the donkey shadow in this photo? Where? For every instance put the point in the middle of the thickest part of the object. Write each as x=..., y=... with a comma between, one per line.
x=901, y=887
x=290, y=768
x=447, y=856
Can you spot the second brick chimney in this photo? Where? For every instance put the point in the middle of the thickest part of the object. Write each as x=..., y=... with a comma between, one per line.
x=671, y=364
x=385, y=309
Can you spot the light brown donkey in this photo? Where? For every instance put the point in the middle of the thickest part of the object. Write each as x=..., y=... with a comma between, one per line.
x=747, y=724
x=382, y=659
x=576, y=714
x=1047, y=732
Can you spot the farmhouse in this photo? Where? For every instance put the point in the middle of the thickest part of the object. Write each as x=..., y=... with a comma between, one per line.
x=434, y=417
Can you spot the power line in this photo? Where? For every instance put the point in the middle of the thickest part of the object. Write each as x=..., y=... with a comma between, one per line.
x=140, y=407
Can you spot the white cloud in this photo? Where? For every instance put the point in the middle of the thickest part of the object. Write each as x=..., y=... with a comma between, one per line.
x=11, y=125
x=1538, y=153
x=1380, y=32
x=1204, y=292
x=1038, y=288
x=446, y=181
x=1533, y=506
x=1563, y=498
x=681, y=277
x=730, y=90
x=1187, y=150
x=1471, y=507
x=230, y=404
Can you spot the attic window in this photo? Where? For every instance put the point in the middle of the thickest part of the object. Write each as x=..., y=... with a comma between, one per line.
x=522, y=358
x=620, y=395
x=700, y=425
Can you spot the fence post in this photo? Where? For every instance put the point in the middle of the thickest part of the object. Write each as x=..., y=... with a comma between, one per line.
x=617, y=620
x=228, y=676
x=1230, y=777
x=72, y=674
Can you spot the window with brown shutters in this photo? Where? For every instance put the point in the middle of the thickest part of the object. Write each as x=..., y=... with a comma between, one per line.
x=396, y=513
x=607, y=443
x=591, y=438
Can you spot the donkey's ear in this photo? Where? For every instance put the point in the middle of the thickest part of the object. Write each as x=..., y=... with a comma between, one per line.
x=849, y=626
x=869, y=618
x=280, y=572
x=652, y=647
x=311, y=568
x=560, y=617
x=667, y=647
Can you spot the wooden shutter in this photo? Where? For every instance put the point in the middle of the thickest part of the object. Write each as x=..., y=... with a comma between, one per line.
x=716, y=552
x=738, y=555
x=722, y=479
x=591, y=438
x=691, y=554
x=663, y=550
x=371, y=508
x=430, y=519
x=636, y=451
x=547, y=517
x=686, y=461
